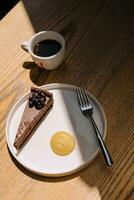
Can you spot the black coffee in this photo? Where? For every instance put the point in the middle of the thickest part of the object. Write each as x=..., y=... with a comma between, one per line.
x=47, y=48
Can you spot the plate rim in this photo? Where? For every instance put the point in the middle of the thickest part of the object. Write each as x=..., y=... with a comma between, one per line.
x=49, y=87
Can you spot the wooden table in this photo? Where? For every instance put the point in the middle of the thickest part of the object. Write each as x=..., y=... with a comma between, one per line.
x=100, y=57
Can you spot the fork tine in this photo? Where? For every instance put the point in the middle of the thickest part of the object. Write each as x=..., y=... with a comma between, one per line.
x=79, y=96
x=86, y=96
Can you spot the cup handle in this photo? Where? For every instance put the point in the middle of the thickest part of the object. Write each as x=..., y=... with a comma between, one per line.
x=25, y=45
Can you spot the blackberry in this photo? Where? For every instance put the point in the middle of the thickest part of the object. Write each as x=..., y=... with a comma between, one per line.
x=30, y=104
x=39, y=105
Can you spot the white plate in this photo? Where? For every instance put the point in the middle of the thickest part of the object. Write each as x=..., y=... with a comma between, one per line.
x=36, y=155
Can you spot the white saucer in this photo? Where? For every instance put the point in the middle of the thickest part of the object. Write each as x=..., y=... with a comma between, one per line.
x=36, y=155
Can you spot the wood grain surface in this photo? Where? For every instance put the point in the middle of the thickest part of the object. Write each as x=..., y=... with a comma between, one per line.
x=99, y=38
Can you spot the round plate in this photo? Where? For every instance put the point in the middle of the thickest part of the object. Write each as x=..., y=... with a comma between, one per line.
x=36, y=154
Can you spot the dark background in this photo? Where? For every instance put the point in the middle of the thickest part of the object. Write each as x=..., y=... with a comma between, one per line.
x=6, y=6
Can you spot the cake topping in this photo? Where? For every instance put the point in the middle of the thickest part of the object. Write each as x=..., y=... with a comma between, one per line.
x=37, y=100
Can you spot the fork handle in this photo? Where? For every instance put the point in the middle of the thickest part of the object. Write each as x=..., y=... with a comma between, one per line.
x=103, y=147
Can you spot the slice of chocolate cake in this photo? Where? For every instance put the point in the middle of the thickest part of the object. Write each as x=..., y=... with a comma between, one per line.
x=38, y=105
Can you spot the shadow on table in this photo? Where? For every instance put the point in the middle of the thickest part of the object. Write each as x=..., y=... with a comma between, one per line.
x=37, y=75
x=41, y=76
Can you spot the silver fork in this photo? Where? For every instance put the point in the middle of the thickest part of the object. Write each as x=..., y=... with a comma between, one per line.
x=87, y=109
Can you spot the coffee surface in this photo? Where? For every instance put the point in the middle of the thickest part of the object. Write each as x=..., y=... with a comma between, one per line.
x=47, y=48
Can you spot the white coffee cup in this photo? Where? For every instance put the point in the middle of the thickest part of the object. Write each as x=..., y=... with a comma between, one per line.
x=50, y=62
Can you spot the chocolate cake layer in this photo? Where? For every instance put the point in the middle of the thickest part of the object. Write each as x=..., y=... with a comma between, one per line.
x=31, y=117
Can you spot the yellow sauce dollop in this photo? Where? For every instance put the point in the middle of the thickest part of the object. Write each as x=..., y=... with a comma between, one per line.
x=62, y=143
